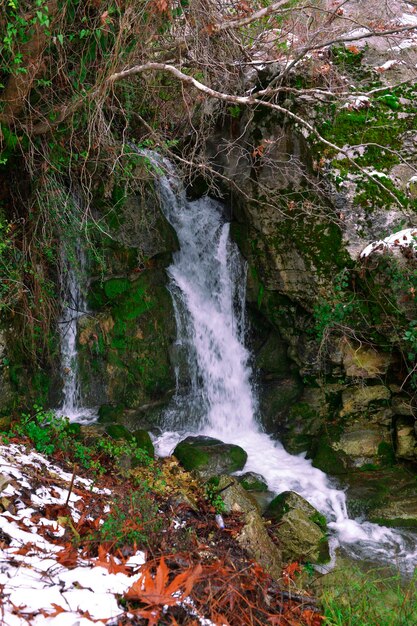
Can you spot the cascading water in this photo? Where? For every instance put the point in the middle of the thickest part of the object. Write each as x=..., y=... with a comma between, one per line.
x=74, y=306
x=207, y=282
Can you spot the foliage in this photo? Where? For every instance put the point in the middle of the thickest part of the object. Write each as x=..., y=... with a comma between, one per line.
x=336, y=309
x=133, y=520
x=46, y=431
x=51, y=434
x=214, y=496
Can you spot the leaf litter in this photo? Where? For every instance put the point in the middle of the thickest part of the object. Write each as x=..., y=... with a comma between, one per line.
x=55, y=569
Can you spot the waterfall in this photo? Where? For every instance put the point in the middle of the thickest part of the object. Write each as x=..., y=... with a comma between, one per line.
x=74, y=306
x=207, y=283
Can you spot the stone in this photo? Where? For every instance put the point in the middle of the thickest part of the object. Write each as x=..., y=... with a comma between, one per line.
x=144, y=441
x=209, y=456
x=300, y=529
x=361, y=443
x=401, y=405
x=362, y=361
x=108, y=413
x=253, y=482
x=405, y=439
x=236, y=499
x=357, y=399
x=398, y=512
x=255, y=540
x=272, y=356
x=117, y=431
x=276, y=400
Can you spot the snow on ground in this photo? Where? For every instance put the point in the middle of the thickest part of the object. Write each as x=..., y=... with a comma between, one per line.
x=37, y=584
x=403, y=240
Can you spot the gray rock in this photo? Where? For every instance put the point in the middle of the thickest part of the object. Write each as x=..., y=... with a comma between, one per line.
x=300, y=528
x=210, y=457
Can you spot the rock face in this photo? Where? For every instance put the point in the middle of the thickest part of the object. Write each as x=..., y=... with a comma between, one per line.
x=300, y=529
x=209, y=456
x=124, y=341
x=333, y=332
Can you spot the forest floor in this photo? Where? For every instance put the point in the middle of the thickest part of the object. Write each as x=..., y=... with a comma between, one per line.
x=77, y=548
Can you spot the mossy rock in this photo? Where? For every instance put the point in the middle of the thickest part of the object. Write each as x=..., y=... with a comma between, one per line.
x=144, y=441
x=108, y=413
x=117, y=431
x=329, y=460
x=235, y=498
x=300, y=528
x=210, y=456
x=253, y=482
x=254, y=538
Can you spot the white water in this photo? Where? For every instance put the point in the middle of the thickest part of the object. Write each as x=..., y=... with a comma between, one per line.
x=207, y=283
x=74, y=306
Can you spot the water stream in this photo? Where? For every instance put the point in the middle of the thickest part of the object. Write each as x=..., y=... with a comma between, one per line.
x=207, y=283
x=74, y=306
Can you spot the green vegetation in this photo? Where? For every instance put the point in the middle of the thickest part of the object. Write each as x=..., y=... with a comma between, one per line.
x=51, y=434
x=375, y=598
x=133, y=520
x=213, y=495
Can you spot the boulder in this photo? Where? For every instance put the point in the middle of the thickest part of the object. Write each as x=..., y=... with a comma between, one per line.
x=235, y=498
x=108, y=413
x=255, y=540
x=299, y=527
x=144, y=441
x=253, y=482
x=361, y=442
x=210, y=456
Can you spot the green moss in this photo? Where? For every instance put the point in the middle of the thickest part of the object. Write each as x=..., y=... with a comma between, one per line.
x=253, y=483
x=117, y=431
x=320, y=520
x=386, y=454
x=210, y=456
x=328, y=460
x=191, y=457
x=108, y=413
x=143, y=441
x=277, y=507
x=115, y=287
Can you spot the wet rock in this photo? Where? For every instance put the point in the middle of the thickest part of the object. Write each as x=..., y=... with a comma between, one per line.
x=253, y=482
x=272, y=358
x=277, y=398
x=361, y=442
x=300, y=528
x=405, y=439
x=235, y=498
x=401, y=405
x=108, y=414
x=255, y=539
x=144, y=441
x=209, y=456
x=117, y=431
x=356, y=399
x=398, y=512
